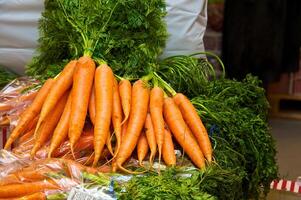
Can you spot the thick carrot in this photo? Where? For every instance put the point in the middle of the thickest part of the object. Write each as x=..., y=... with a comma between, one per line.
x=142, y=148
x=24, y=176
x=47, y=127
x=104, y=79
x=156, y=111
x=151, y=138
x=117, y=115
x=25, y=137
x=183, y=135
x=139, y=106
x=125, y=89
x=17, y=190
x=168, y=150
x=61, y=131
x=92, y=107
x=30, y=113
x=33, y=123
x=82, y=84
x=62, y=83
x=195, y=124
x=35, y=196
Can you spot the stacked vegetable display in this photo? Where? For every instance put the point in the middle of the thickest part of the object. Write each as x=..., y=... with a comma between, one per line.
x=138, y=114
x=79, y=39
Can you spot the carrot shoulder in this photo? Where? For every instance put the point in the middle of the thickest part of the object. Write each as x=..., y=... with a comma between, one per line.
x=182, y=133
x=30, y=113
x=82, y=83
x=195, y=124
x=104, y=105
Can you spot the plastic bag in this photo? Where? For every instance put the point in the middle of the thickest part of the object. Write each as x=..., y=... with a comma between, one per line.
x=15, y=97
x=53, y=177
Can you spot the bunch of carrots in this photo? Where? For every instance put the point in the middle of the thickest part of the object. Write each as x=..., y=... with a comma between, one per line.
x=124, y=115
x=41, y=177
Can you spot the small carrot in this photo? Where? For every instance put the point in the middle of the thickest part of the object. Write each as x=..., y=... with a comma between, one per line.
x=24, y=176
x=25, y=137
x=61, y=131
x=180, y=130
x=156, y=111
x=30, y=113
x=18, y=190
x=142, y=147
x=104, y=78
x=151, y=138
x=62, y=83
x=33, y=123
x=123, y=129
x=109, y=144
x=49, y=125
x=116, y=115
x=125, y=89
x=139, y=106
x=92, y=107
x=82, y=83
x=168, y=150
x=195, y=124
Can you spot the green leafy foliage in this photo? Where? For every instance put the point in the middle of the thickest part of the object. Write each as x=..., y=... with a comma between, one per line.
x=127, y=34
x=239, y=110
x=6, y=76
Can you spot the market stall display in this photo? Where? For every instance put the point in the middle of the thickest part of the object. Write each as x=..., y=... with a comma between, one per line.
x=107, y=101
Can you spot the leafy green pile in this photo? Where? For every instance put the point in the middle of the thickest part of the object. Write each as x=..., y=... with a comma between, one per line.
x=238, y=110
x=128, y=34
x=6, y=76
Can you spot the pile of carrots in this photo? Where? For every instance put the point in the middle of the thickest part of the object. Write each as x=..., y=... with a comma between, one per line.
x=124, y=115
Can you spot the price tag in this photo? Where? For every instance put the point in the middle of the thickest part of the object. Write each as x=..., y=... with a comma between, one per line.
x=76, y=194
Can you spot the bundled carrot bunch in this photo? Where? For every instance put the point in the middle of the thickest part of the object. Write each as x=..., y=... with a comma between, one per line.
x=123, y=115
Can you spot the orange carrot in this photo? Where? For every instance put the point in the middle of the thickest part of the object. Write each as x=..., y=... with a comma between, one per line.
x=156, y=111
x=109, y=144
x=142, y=148
x=92, y=105
x=81, y=89
x=117, y=115
x=195, y=124
x=62, y=83
x=151, y=138
x=35, y=196
x=183, y=135
x=139, y=106
x=123, y=129
x=25, y=137
x=17, y=190
x=104, y=78
x=125, y=89
x=27, y=97
x=61, y=131
x=47, y=127
x=168, y=150
x=30, y=113
x=33, y=123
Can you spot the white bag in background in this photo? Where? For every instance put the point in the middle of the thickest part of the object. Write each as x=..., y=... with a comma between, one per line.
x=186, y=23
x=18, y=32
